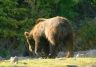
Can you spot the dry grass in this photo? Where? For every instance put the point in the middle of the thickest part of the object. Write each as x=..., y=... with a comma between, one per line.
x=58, y=62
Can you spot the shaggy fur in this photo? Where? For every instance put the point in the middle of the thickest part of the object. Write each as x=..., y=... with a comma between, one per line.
x=54, y=31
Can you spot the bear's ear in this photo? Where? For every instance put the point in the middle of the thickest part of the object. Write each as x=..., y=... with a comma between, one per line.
x=40, y=19
x=26, y=34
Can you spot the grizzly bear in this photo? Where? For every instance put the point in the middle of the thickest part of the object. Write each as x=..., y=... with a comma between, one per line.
x=49, y=34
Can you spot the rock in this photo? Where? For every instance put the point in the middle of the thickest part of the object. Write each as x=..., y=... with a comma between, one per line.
x=60, y=54
x=1, y=58
x=14, y=59
x=92, y=53
x=87, y=53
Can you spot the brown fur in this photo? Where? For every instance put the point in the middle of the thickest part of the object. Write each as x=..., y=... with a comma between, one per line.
x=40, y=20
x=56, y=30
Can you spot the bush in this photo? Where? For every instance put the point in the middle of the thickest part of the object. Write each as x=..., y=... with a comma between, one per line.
x=86, y=36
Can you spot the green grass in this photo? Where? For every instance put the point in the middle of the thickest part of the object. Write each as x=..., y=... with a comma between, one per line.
x=58, y=62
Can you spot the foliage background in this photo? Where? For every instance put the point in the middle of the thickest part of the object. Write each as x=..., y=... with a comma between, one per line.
x=18, y=16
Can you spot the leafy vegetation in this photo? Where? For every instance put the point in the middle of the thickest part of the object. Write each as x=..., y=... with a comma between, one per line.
x=17, y=16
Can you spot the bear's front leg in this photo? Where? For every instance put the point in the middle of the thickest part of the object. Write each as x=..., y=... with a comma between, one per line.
x=37, y=48
x=53, y=51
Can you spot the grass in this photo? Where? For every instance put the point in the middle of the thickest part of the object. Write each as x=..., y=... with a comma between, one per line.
x=58, y=62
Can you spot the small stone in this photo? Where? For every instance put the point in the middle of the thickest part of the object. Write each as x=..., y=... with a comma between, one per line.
x=14, y=59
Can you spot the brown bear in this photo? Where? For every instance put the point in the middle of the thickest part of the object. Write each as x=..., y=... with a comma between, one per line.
x=48, y=34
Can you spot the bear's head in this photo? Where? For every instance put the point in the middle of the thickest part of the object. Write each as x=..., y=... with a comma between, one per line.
x=30, y=41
